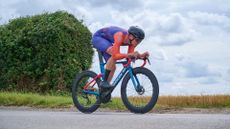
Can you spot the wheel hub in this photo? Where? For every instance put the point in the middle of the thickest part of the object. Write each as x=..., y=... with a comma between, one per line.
x=141, y=90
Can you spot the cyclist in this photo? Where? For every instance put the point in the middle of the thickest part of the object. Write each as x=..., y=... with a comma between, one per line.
x=108, y=40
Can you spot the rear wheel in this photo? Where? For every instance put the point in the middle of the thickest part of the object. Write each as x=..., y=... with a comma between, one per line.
x=86, y=100
x=144, y=98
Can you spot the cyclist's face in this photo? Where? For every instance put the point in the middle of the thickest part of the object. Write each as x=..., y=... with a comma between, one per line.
x=138, y=40
x=133, y=40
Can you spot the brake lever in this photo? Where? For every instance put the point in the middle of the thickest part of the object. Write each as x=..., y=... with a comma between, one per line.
x=148, y=61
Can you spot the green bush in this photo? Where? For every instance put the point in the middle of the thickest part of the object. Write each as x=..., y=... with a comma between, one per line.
x=43, y=52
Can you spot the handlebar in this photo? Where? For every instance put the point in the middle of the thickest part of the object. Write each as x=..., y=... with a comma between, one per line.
x=134, y=59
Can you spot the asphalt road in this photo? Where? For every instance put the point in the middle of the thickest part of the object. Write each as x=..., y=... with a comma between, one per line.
x=110, y=120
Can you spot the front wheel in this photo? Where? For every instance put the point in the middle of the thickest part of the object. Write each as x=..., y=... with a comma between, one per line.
x=143, y=98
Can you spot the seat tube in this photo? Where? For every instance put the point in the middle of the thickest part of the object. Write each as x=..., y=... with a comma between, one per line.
x=101, y=62
x=100, y=57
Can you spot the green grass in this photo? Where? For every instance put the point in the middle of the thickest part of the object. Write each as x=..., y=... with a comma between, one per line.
x=34, y=100
x=116, y=104
x=65, y=101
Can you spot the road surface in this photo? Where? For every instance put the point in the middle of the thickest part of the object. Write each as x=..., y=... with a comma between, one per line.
x=10, y=119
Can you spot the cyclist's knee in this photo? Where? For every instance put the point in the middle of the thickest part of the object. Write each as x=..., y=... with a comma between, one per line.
x=114, y=68
x=109, y=50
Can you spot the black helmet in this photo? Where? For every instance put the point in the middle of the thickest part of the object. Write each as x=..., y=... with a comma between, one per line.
x=137, y=32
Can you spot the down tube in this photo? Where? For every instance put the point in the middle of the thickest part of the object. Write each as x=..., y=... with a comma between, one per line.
x=120, y=76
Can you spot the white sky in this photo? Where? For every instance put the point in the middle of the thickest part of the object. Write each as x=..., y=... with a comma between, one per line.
x=188, y=40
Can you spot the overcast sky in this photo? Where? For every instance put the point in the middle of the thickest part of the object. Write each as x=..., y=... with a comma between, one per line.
x=188, y=40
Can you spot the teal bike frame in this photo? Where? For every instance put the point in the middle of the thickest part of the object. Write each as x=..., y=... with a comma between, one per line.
x=126, y=68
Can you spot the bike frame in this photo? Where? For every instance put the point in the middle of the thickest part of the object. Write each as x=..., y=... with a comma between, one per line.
x=126, y=68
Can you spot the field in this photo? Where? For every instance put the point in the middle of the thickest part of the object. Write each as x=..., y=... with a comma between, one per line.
x=51, y=101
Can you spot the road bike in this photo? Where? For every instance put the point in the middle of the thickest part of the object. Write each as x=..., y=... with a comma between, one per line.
x=139, y=87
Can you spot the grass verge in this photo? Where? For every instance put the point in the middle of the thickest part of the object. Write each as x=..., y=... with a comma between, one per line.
x=51, y=101
x=34, y=100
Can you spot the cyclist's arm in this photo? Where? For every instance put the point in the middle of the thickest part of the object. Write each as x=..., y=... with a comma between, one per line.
x=118, y=40
x=131, y=49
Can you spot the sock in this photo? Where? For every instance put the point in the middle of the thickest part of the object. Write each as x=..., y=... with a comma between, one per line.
x=106, y=75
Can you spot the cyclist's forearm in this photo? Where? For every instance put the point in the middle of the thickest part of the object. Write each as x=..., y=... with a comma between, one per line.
x=119, y=56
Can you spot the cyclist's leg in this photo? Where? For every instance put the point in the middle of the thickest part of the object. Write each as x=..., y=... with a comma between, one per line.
x=101, y=44
x=111, y=65
x=104, y=46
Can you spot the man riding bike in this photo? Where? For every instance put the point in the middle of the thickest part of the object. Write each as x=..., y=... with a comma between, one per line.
x=108, y=40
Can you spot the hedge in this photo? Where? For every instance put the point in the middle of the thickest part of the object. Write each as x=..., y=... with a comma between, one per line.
x=43, y=52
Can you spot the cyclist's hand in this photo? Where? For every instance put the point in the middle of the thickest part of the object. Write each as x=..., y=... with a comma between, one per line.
x=133, y=55
x=144, y=55
x=136, y=54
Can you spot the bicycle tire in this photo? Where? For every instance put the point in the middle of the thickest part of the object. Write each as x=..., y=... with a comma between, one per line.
x=154, y=96
x=76, y=94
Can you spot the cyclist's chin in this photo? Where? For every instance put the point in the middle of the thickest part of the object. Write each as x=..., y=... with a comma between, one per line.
x=134, y=44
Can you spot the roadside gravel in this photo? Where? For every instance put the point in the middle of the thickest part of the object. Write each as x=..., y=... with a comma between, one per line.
x=157, y=111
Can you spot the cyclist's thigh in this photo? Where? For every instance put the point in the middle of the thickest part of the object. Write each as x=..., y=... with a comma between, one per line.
x=100, y=43
x=106, y=56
